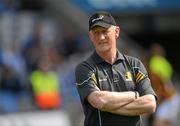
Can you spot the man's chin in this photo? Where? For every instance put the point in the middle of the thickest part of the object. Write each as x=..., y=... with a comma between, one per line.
x=104, y=49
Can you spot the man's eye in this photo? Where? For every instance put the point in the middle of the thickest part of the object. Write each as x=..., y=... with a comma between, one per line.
x=105, y=32
x=96, y=32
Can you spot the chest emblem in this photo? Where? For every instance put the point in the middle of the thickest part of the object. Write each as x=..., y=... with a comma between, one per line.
x=128, y=76
x=103, y=79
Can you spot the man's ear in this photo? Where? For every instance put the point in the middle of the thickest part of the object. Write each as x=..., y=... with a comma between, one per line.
x=90, y=35
x=117, y=30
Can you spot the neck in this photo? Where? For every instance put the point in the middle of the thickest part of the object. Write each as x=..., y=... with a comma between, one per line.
x=109, y=56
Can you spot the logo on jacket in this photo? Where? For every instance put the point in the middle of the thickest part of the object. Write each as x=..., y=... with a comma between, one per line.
x=128, y=76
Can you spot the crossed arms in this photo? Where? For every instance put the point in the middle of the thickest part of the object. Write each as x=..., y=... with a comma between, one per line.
x=122, y=103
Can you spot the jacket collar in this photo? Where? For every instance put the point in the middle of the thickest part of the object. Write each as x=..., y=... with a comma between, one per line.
x=97, y=59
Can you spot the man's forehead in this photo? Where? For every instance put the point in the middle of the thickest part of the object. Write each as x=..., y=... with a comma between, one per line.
x=99, y=28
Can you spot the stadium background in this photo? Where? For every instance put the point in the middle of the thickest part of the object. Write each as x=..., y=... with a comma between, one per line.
x=64, y=25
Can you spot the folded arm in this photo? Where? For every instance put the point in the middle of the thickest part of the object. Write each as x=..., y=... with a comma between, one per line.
x=109, y=101
x=122, y=103
x=142, y=105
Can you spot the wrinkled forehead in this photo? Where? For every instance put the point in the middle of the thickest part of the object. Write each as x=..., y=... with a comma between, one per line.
x=96, y=28
x=100, y=28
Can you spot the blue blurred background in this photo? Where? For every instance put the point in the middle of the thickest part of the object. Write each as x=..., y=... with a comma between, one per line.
x=42, y=41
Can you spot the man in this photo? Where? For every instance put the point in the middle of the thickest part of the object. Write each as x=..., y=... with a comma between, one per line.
x=114, y=88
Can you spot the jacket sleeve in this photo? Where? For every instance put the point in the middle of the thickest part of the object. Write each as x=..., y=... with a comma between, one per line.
x=86, y=81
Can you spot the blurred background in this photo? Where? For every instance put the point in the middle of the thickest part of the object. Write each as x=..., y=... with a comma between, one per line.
x=42, y=41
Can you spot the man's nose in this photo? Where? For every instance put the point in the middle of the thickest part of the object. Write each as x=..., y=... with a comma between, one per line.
x=102, y=36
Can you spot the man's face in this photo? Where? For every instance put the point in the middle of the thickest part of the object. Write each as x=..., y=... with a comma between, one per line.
x=104, y=39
